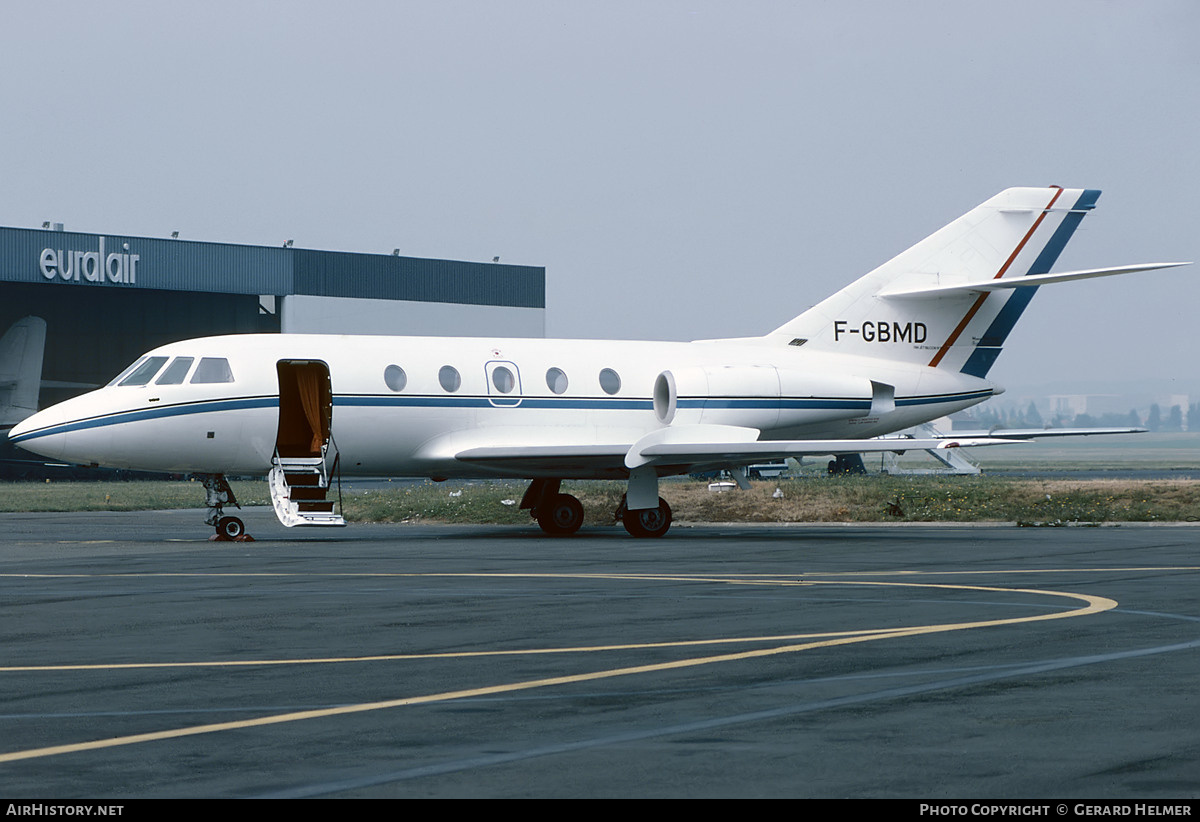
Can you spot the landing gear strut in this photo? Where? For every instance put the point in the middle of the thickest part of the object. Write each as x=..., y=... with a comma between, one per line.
x=218, y=494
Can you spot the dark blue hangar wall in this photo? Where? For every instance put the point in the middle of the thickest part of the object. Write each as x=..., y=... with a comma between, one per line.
x=108, y=298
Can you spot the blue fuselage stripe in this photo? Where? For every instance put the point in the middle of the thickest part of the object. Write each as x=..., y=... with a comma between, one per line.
x=162, y=412
x=479, y=402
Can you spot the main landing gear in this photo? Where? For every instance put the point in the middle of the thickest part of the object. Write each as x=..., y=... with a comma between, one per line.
x=648, y=522
x=561, y=515
x=847, y=464
x=218, y=494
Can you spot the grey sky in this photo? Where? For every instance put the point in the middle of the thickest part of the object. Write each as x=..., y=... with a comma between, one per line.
x=682, y=170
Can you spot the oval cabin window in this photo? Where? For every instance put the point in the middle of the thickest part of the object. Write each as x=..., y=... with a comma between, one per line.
x=556, y=380
x=610, y=381
x=395, y=378
x=503, y=379
x=449, y=378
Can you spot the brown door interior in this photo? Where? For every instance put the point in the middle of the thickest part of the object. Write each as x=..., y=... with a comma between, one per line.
x=305, y=408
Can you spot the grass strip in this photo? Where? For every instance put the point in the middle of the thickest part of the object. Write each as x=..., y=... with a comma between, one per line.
x=820, y=499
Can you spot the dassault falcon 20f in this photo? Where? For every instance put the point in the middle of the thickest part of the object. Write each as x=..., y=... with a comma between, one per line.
x=909, y=342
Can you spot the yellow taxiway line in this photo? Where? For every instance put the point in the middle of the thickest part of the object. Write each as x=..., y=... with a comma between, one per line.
x=1090, y=605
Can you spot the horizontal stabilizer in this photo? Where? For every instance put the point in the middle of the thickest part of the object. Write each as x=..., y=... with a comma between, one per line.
x=68, y=384
x=1029, y=281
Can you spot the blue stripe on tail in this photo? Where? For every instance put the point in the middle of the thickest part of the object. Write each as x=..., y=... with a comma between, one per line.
x=992, y=341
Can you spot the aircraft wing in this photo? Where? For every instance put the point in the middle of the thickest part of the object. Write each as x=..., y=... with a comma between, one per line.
x=736, y=453
x=697, y=447
x=1038, y=433
x=548, y=458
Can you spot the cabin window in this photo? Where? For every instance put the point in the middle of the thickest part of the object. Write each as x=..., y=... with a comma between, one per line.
x=503, y=379
x=211, y=370
x=176, y=371
x=144, y=372
x=395, y=377
x=556, y=380
x=610, y=381
x=449, y=378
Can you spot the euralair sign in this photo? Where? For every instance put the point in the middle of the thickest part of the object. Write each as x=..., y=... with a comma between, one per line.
x=96, y=266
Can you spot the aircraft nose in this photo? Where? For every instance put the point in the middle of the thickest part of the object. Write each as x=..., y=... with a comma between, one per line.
x=22, y=428
x=37, y=434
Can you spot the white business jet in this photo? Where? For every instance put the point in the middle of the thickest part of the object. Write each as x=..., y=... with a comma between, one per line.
x=909, y=342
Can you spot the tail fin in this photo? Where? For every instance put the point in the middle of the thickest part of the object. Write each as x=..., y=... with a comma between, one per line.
x=21, y=351
x=1019, y=232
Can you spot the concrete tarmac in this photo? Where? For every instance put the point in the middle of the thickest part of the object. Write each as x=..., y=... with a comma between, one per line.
x=941, y=662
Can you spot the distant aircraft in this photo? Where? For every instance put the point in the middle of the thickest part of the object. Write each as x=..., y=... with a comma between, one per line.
x=21, y=351
x=909, y=342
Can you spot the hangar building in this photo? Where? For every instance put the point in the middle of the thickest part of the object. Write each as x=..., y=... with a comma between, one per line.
x=108, y=298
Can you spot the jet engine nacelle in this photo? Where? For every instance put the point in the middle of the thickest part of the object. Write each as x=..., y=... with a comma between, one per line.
x=762, y=396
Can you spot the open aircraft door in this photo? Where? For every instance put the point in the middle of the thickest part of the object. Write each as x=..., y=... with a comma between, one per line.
x=305, y=455
x=305, y=408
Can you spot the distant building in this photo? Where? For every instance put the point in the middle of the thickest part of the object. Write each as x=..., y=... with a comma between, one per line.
x=1068, y=405
x=107, y=298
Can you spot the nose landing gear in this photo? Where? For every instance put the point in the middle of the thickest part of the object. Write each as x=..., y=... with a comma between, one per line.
x=217, y=494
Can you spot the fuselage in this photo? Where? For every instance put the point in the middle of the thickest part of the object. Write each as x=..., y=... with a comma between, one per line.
x=404, y=406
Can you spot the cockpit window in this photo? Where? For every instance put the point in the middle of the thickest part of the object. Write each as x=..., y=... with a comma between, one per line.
x=145, y=372
x=176, y=371
x=117, y=379
x=212, y=369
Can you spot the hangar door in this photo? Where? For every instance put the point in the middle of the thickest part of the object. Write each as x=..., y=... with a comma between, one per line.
x=305, y=408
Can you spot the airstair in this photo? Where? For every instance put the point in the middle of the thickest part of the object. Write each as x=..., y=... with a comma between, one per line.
x=300, y=489
x=953, y=460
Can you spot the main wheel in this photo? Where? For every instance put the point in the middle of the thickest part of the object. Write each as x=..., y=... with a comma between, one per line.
x=562, y=517
x=230, y=528
x=648, y=522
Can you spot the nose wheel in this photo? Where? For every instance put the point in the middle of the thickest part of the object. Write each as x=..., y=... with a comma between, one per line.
x=230, y=528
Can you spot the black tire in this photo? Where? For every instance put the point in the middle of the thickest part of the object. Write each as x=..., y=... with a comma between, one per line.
x=562, y=517
x=648, y=522
x=230, y=527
